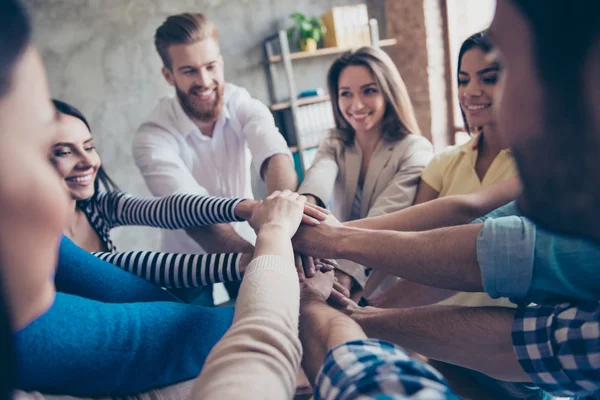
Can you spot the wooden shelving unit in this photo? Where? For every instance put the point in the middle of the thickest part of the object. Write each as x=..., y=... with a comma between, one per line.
x=324, y=52
x=301, y=102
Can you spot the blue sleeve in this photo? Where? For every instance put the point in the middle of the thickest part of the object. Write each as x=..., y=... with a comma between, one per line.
x=177, y=211
x=89, y=348
x=504, y=211
x=523, y=261
x=376, y=369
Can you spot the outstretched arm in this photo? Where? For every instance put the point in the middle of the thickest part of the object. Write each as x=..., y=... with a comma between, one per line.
x=445, y=211
x=444, y=258
x=180, y=270
x=342, y=360
x=259, y=356
x=478, y=338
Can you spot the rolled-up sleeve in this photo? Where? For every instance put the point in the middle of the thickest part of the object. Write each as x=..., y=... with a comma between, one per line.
x=523, y=261
x=505, y=252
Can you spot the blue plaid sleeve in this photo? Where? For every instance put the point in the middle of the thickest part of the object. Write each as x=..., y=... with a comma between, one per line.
x=558, y=346
x=375, y=369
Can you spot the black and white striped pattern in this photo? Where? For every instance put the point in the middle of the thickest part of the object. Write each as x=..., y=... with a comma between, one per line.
x=178, y=270
x=108, y=210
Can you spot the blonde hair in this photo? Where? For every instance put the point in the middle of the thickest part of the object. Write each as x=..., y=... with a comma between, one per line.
x=399, y=117
x=183, y=28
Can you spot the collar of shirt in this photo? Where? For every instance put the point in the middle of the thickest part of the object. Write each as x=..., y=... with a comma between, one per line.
x=184, y=124
x=472, y=146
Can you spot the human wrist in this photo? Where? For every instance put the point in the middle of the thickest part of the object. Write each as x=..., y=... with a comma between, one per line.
x=245, y=208
x=273, y=239
x=310, y=297
x=345, y=243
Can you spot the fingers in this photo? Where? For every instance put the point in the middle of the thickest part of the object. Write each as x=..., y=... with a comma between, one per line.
x=338, y=299
x=310, y=220
x=299, y=267
x=326, y=264
x=315, y=212
x=309, y=266
x=338, y=287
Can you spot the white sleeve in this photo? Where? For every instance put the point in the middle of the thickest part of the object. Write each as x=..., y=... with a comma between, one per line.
x=258, y=126
x=156, y=155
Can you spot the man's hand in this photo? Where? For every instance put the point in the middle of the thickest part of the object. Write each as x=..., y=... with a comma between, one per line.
x=324, y=286
x=280, y=209
x=308, y=266
x=345, y=280
x=316, y=241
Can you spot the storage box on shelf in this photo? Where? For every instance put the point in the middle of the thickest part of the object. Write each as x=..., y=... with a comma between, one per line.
x=305, y=122
x=346, y=26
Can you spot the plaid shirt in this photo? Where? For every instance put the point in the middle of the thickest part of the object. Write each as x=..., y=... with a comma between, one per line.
x=558, y=346
x=375, y=369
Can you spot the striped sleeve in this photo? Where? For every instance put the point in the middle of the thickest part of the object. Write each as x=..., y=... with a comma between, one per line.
x=172, y=270
x=177, y=211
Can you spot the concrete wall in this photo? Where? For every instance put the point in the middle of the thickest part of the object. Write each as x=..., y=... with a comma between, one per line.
x=100, y=57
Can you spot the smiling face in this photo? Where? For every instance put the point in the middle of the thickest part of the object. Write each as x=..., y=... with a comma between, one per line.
x=33, y=200
x=477, y=79
x=196, y=72
x=360, y=99
x=75, y=157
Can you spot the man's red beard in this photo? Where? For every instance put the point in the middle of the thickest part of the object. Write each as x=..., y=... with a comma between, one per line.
x=201, y=110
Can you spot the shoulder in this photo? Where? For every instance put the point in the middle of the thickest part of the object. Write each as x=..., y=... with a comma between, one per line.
x=162, y=115
x=235, y=96
x=333, y=143
x=413, y=147
x=414, y=142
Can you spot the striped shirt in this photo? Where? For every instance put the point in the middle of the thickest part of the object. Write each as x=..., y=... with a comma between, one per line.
x=108, y=210
x=178, y=270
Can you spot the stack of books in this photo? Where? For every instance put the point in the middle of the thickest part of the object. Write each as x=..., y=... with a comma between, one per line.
x=347, y=26
x=314, y=123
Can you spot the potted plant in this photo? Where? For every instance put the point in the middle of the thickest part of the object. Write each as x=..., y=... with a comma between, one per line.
x=306, y=32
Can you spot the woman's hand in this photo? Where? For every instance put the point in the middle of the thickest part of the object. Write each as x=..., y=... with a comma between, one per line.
x=282, y=210
x=313, y=214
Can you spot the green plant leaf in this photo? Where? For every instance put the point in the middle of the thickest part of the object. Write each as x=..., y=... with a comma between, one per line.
x=298, y=18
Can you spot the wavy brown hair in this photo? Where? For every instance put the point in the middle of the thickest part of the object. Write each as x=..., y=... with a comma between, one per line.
x=399, y=117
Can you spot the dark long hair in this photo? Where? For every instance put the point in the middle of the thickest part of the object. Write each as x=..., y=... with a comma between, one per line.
x=15, y=32
x=480, y=41
x=102, y=177
x=399, y=117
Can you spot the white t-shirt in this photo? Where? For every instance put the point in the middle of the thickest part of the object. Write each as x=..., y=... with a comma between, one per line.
x=175, y=157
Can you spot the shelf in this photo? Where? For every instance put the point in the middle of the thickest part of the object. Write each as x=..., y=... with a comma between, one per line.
x=301, y=102
x=325, y=51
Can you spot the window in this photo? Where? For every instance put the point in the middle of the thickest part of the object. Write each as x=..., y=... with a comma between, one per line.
x=464, y=17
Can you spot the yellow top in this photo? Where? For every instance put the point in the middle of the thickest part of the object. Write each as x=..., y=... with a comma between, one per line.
x=452, y=172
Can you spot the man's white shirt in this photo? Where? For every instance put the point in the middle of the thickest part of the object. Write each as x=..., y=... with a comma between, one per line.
x=175, y=157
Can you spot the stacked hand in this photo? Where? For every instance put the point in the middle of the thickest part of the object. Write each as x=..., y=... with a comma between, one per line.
x=313, y=214
x=284, y=210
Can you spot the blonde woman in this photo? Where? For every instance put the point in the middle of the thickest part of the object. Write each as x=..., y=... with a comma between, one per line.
x=372, y=162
